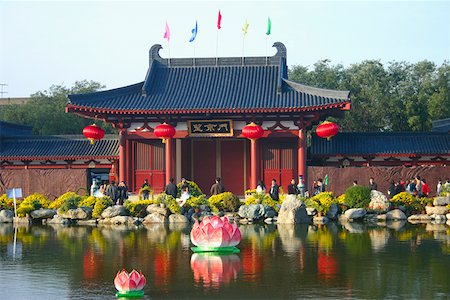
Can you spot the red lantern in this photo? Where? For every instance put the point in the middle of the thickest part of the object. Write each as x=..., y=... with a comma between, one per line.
x=93, y=133
x=252, y=131
x=327, y=130
x=164, y=131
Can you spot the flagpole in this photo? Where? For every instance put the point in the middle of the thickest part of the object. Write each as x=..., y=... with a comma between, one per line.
x=194, y=51
x=217, y=46
x=168, y=46
x=267, y=58
x=243, y=45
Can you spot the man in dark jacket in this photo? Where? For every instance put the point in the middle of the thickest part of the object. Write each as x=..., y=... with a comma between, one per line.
x=112, y=191
x=217, y=188
x=122, y=192
x=145, y=193
x=171, y=189
x=274, y=190
x=292, y=188
x=372, y=184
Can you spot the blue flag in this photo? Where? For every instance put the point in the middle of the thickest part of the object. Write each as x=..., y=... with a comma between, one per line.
x=194, y=33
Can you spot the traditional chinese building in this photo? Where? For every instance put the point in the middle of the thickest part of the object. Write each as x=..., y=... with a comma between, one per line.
x=209, y=101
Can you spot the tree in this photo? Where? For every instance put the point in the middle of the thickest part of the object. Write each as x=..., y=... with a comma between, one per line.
x=45, y=112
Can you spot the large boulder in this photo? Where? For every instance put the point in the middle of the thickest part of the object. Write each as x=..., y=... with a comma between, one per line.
x=252, y=211
x=114, y=211
x=6, y=216
x=155, y=208
x=441, y=201
x=80, y=213
x=419, y=217
x=122, y=220
x=43, y=213
x=57, y=219
x=378, y=201
x=332, y=213
x=155, y=218
x=292, y=211
x=436, y=210
x=395, y=214
x=176, y=218
x=354, y=213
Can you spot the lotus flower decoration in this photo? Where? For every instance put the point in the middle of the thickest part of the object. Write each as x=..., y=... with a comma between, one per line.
x=215, y=234
x=129, y=284
x=212, y=270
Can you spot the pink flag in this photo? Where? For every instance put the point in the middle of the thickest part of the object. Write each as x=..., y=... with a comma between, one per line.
x=167, y=33
x=219, y=20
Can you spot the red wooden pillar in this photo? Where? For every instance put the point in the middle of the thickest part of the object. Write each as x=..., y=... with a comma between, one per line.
x=254, y=159
x=301, y=154
x=122, y=155
x=169, y=160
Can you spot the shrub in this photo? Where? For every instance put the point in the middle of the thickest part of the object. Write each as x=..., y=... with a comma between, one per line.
x=32, y=202
x=226, y=201
x=194, y=189
x=357, y=196
x=170, y=202
x=324, y=201
x=195, y=202
x=445, y=190
x=88, y=201
x=341, y=200
x=138, y=208
x=100, y=206
x=70, y=203
x=6, y=203
x=403, y=198
x=74, y=198
x=145, y=188
x=268, y=201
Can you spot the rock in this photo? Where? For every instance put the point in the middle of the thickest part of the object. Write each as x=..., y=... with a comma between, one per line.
x=24, y=220
x=439, y=218
x=176, y=218
x=436, y=210
x=292, y=211
x=123, y=220
x=155, y=208
x=311, y=211
x=252, y=211
x=320, y=220
x=332, y=213
x=378, y=201
x=80, y=213
x=114, y=211
x=270, y=213
x=447, y=216
x=382, y=217
x=396, y=224
x=395, y=214
x=92, y=222
x=441, y=201
x=354, y=213
x=419, y=218
x=6, y=216
x=43, y=213
x=268, y=221
x=57, y=219
x=155, y=218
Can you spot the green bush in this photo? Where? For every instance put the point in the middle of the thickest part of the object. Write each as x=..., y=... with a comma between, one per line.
x=357, y=196
x=32, y=202
x=226, y=201
x=194, y=189
x=74, y=198
x=195, y=202
x=100, y=206
x=170, y=202
x=138, y=208
x=70, y=203
x=323, y=201
x=88, y=201
x=6, y=203
x=145, y=188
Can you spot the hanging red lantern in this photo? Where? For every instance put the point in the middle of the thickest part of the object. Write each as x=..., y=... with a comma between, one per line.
x=164, y=131
x=327, y=130
x=93, y=133
x=252, y=131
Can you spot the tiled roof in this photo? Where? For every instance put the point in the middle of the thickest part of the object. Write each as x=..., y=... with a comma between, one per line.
x=59, y=147
x=233, y=85
x=382, y=143
x=11, y=129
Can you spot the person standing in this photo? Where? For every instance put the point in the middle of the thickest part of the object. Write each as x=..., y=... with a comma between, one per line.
x=391, y=191
x=184, y=185
x=122, y=193
x=425, y=188
x=217, y=187
x=292, y=188
x=372, y=184
x=112, y=191
x=419, y=184
x=171, y=189
x=274, y=190
x=439, y=187
x=145, y=193
x=261, y=188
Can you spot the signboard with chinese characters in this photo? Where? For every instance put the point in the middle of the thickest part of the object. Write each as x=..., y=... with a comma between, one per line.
x=210, y=128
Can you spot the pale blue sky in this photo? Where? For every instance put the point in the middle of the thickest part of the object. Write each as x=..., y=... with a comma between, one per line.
x=45, y=43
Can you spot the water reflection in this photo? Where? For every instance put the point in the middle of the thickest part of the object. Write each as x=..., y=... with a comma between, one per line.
x=276, y=261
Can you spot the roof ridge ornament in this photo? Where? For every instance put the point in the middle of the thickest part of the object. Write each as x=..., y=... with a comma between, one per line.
x=281, y=49
x=154, y=53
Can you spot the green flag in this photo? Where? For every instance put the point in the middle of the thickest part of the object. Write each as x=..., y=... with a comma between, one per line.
x=269, y=26
x=325, y=180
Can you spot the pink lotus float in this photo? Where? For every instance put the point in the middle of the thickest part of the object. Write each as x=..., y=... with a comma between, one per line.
x=129, y=285
x=215, y=234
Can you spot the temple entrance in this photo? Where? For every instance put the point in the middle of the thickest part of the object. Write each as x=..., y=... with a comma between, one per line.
x=226, y=158
x=279, y=162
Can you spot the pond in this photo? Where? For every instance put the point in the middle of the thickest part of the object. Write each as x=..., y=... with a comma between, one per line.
x=304, y=261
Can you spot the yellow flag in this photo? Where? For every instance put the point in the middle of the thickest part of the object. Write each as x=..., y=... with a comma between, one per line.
x=245, y=28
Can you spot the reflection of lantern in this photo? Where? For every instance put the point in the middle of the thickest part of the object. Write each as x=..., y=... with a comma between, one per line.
x=93, y=133
x=327, y=266
x=327, y=130
x=164, y=131
x=252, y=131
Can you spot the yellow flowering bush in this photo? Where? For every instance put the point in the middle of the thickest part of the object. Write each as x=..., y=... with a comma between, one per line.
x=100, y=206
x=226, y=201
x=66, y=197
x=170, y=202
x=138, y=208
x=195, y=202
x=403, y=198
x=194, y=189
x=6, y=203
x=145, y=188
x=88, y=201
x=321, y=202
x=32, y=202
x=341, y=200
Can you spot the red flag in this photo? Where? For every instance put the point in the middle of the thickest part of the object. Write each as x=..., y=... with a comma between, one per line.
x=167, y=32
x=219, y=20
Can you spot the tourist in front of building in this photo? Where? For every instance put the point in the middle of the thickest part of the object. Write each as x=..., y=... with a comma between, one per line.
x=425, y=188
x=439, y=187
x=399, y=187
x=355, y=182
x=292, y=188
x=372, y=184
x=122, y=193
x=391, y=190
x=145, y=193
x=112, y=191
x=274, y=190
x=261, y=188
x=184, y=185
x=217, y=187
x=418, y=188
x=171, y=189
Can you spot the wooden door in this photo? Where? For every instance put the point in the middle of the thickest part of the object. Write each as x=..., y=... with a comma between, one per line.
x=279, y=162
x=204, y=163
x=232, y=165
x=149, y=163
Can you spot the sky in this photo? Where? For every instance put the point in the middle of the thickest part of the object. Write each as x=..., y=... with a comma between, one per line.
x=60, y=42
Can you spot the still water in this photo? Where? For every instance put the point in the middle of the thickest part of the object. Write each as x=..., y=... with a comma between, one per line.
x=357, y=261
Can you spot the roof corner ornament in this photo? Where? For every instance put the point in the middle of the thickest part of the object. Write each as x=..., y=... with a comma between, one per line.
x=154, y=52
x=281, y=49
